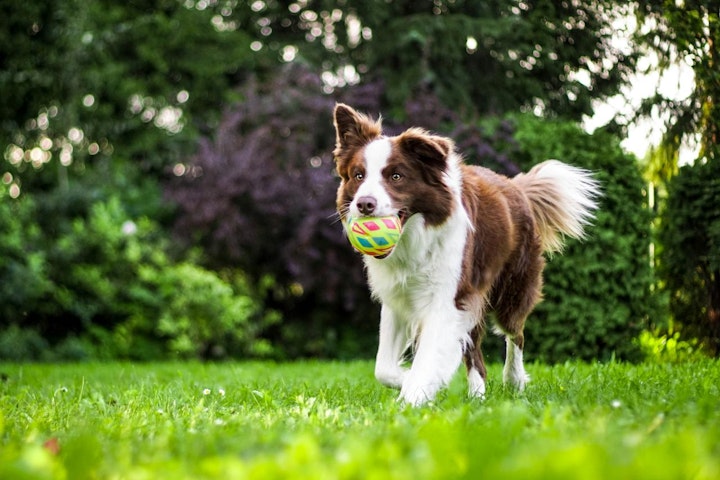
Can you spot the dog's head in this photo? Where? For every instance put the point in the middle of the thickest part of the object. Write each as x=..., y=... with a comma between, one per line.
x=381, y=176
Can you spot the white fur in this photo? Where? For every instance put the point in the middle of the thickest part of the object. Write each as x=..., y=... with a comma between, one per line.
x=579, y=187
x=476, y=384
x=453, y=180
x=416, y=285
x=394, y=341
x=578, y=191
x=514, y=371
x=376, y=158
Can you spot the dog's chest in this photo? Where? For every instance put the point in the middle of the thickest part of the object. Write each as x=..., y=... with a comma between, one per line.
x=398, y=288
x=423, y=269
x=410, y=285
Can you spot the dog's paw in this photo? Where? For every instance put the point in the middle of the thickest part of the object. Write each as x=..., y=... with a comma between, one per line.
x=417, y=393
x=517, y=379
x=414, y=399
x=476, y=385
x=393, y=377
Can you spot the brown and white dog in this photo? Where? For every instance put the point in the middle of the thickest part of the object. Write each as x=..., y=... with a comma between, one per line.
x=472, y=241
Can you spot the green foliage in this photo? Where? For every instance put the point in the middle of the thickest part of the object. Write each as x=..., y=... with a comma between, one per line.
x=489, y=56
x=659, y=346
x=192, y=310
x=111, y=279
x=18, y=345
x=690, y=256
x=31, y=40
x=83, y=81
x=598, y=293
x=210, y=318
x=333, y=420
x=23, y=264
x=686, y=33
x=104, y=100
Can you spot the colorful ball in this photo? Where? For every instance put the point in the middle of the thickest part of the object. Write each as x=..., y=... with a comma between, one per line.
x=374, y=236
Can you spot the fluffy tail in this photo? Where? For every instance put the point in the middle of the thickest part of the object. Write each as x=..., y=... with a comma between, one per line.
x=562, y=198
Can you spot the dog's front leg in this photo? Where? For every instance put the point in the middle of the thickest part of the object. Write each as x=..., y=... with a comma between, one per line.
x=392, y=346
x=437, y=358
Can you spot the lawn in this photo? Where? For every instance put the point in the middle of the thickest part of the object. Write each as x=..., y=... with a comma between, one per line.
x=332, y=420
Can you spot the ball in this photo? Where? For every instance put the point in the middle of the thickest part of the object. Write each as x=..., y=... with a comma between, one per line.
x=374, y=236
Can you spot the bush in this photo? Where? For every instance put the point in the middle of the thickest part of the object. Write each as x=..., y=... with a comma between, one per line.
x=18, y=344
x=155, y=306
x=24, y=281
x=208, y=319
x=110, y=281
x=668, y=347
x=598, y=293
x=690, y=251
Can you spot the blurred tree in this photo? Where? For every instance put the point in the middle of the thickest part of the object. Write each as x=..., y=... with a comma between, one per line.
x=689, y=32
x=87, y=84
x=683, y=32
x=491, y=57
x=28, y=32
x=101, y=99
x=86, y=81
x=690, y=256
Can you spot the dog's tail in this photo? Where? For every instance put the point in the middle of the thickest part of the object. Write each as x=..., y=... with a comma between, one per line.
x=563, y=199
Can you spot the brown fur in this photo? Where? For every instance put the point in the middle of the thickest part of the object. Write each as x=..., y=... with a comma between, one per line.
x=503, y=257
x=417, y=155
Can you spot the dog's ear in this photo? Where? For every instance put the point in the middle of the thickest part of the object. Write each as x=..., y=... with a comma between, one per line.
x=353, y=129
x=430, y=150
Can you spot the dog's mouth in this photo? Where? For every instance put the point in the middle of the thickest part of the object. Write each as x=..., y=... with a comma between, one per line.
x=402, y=215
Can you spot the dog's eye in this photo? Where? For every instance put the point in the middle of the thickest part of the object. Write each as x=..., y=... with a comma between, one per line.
x=359, y=176
x=396, y=177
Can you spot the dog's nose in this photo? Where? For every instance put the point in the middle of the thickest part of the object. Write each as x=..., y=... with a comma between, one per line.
x=366, y=205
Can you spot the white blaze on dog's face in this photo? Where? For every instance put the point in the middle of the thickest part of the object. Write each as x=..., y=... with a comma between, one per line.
x=383, y=176
x=372, y=197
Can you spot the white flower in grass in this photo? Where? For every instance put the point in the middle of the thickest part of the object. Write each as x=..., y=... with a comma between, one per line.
x=221, y=391
x=60, y=390
x=616, y=404
x=206, y=391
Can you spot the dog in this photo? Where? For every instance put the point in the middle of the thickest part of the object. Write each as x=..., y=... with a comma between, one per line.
x=472, y=242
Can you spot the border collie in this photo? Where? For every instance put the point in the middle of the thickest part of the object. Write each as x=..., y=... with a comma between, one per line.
x=472, y=241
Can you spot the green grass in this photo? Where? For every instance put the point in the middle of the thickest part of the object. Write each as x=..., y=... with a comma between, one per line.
x=332, y=420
